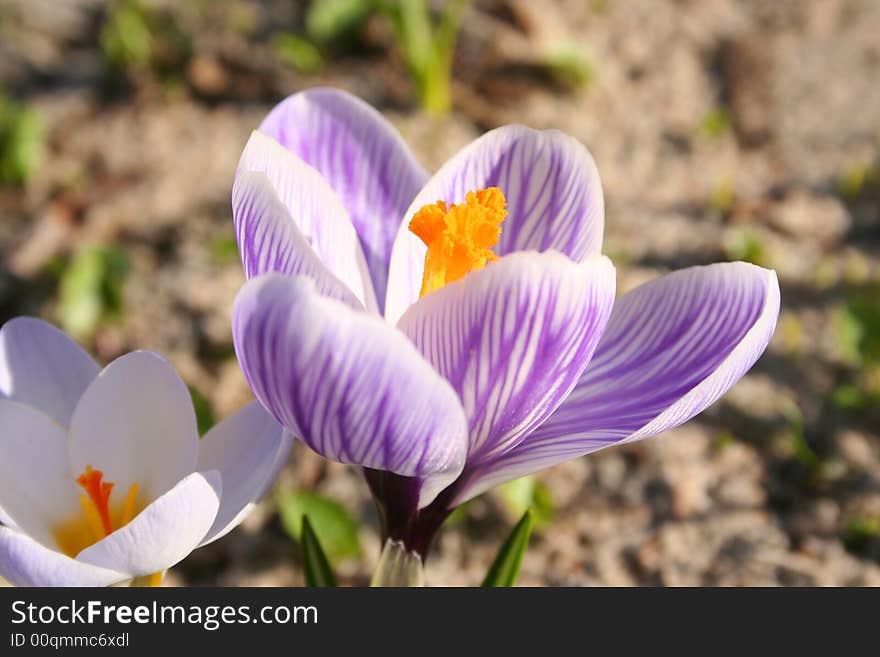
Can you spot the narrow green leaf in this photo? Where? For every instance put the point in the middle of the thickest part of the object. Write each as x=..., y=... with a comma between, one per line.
x=505, y=568
x=315, y=564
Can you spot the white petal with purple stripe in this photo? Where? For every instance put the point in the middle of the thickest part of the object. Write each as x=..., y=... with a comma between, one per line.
x=269, y=241
x=513, y=339
x=352, y=387
x=310, y=204
x=672, y=347
x=361, y=156
x=553, y=192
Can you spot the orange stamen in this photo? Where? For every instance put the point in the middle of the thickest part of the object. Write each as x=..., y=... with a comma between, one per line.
x=98, y=492
x=459, y=237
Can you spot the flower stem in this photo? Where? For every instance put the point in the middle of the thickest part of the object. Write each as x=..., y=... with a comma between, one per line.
x=398, y=567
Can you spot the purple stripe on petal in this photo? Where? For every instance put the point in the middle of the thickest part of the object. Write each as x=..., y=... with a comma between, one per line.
x=672, y=347
x=513, y=339
x=554, y=201
x=352, y=387
x=298, y=195
x=362, y=157
x=269, y=241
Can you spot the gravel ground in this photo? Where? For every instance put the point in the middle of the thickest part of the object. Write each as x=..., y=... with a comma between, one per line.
x=720, y=127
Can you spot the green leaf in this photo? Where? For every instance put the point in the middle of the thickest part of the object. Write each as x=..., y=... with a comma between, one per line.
x=224, y=249
x=858, y=328
x=528, y=493
x=332, y=523
x=205, y=418
x=716, y=123
x=739, y=244
x=22, y=141
x=505, y=568
x=329, y=20
x=126, y=37
x=90, y=289
x=317, y=568
x=570, y=65
x=297, y=52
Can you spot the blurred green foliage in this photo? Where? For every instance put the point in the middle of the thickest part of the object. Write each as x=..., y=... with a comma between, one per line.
x=298, y=52
x=205, y=418
x=857, y=179
x=744, y=244
x=90, y=289
x=332, y=20
x=570, y=65
x=22, y=141
x=858, y=337
x=858, y=327
x=126, y=37
x=716, y=123
x=425, y=37
x=723, y=194
x=428, y=46
x=223, y=249
x=798, y=446
x=600, y=7
x=527, y=493
x=335, y=528
x=136, y=36
x=861, y=531
x=723, y=439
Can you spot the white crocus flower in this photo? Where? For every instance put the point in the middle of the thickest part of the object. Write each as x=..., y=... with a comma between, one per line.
x=103, y=478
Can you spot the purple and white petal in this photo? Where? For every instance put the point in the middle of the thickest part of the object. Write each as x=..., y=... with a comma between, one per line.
x=37, y=491
x=554, y=201
x=42, y=367
x=672, y=347
x=164, y=533
x=136, y=424
x=363, y=158
x=248, y=449
x=352, y=387
x=310, y=204
x=25, y=562
x=270, y=241
x=513, y=339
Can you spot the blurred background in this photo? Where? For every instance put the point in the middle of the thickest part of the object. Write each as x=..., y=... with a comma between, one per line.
x=723, y=130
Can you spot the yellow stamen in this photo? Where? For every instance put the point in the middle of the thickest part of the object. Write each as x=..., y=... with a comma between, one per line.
x=96, y=527
x=459, y=237
x=128, y=510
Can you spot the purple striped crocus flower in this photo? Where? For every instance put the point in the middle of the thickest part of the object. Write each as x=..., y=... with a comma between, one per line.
x=390, y=325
